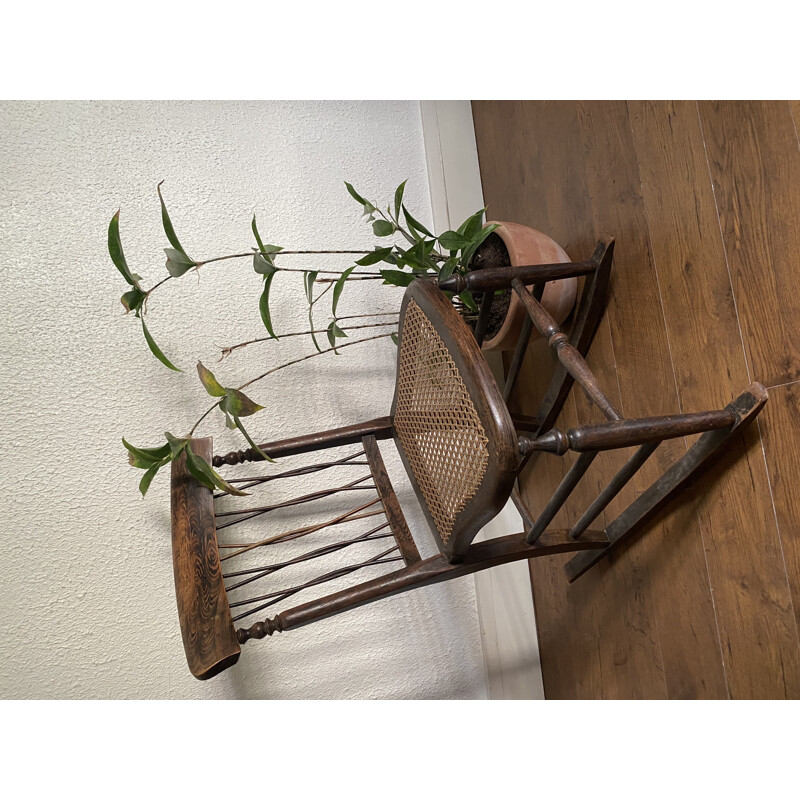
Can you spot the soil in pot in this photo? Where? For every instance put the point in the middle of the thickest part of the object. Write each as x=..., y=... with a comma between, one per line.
x=493, y=253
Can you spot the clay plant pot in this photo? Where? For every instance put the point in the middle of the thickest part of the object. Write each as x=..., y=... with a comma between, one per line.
x=528, y=246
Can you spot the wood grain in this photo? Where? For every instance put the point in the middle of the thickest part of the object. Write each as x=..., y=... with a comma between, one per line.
x=780, y=430
x=740, y=535
x=586, y=631
x=648, y=624
x=391, y=506
x=209, y=638
x=755, y=164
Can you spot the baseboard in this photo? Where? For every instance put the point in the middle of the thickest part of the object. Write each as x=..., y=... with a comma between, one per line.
x=505, y=601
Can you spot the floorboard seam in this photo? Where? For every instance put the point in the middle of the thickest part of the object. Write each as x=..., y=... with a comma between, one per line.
x=749, y=374
x=680, y=408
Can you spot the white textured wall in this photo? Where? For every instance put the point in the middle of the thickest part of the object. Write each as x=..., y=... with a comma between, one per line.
x=88, y=607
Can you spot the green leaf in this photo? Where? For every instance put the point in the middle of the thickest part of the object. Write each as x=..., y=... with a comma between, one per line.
x=263, y=305
x=450, y=240
x=354, y=194
x=395, y=277
x=178, y=263
x=398, y=198
x=229, y=423
x=471, y=225
x=238, y=424
x=115, y=251
x=448, y=268
x=416, y=257
x=238, y=404
x=269, y=249
x=339, y=286
x=213, y=387
x=467, y=299
x=133, y=299
x=394, y=339
x=477, y=241
x=156, y=350
x=263, y=264
x=147, y=478
x=309, y=278
x=167, y=222
x=416, y=227
x=379, y=254
x=145, y=457
x=383, y=228
x=335, y=332
x=176, y=445
x=208, y=477
x=255, y=233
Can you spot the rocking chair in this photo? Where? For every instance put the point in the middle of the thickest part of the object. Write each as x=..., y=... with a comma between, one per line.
x=462, y=450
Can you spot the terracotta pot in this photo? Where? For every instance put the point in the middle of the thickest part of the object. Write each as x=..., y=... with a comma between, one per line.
x=528, y=246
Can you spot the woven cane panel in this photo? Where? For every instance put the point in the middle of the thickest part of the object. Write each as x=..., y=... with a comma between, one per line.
x=437, y=424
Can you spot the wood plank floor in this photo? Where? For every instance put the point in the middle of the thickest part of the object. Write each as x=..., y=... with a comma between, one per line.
x=704, y=203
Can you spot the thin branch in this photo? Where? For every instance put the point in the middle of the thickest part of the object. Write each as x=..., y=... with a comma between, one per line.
x=312, y=355
x=288, y=364
x=362, y=276
x=199, y=264
x=226, y=351
x=322, y=294
x=376, y=314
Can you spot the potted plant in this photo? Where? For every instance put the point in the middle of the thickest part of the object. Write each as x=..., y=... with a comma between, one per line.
x=512, y=244
x=474, y=245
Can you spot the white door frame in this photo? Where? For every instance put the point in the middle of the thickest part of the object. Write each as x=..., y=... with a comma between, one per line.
x=504, y=597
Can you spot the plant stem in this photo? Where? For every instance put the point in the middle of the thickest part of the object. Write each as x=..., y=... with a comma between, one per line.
x=362, y=276
x=199, y=264
x=288, y=364
x=226, y=351
x=377, y=314
x=311, y=355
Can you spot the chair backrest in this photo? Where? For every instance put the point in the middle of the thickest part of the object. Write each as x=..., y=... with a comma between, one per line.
x=452, y=428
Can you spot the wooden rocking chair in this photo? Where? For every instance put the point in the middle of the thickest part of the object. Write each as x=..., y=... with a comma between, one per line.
x=462, y=450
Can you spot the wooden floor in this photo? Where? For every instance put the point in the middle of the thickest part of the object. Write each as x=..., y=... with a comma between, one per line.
x=704, y=202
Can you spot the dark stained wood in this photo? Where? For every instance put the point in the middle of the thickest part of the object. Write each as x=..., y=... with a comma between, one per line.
x=584, y=328
x=560, y=495
x=485, y=313
x=755, y=165
x=647, y=632
x=209, y=638
x=780, y=430
x=483, y=555
x=570, y=357
x=614, y=487
x=533, y=173
x=380, y=428
x=394, y=513
x=745, y=408
x=627, y=432
x=501, y=277
x=695, y=263
x=518, y=357
x=639, y=171
x=524, y=422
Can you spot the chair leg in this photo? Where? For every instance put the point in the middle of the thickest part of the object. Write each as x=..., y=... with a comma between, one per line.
x=687, y=469
x=587, y=319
